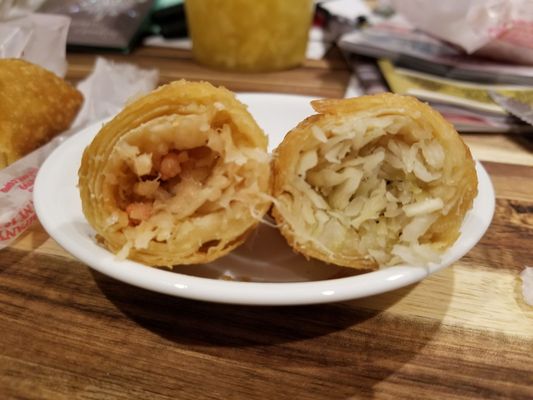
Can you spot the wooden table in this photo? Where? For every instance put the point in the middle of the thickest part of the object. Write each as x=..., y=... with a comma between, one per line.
x=68, y=332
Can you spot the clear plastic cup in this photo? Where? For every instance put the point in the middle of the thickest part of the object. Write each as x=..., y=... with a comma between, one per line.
x=249, y=35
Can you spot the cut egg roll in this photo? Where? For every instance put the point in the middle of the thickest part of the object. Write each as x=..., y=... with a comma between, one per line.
x=35, y=106
x=180, y=176
x=373, y=181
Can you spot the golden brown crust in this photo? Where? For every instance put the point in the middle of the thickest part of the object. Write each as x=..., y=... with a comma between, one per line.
x=231, y=198
x=35, y=105
x=456, y=186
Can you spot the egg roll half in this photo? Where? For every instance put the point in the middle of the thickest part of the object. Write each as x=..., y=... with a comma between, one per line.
x=35, y=105
x=373, y=181
x=180, y=176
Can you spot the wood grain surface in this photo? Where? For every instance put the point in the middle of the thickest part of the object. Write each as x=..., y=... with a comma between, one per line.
x=68, y=332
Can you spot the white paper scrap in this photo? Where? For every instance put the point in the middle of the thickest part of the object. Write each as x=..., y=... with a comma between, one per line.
x=527, y=284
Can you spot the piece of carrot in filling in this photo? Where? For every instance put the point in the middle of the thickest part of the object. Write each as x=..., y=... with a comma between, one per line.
x=191, y=166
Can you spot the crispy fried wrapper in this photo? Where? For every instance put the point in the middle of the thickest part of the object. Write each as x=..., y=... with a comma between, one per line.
x=35, y=106
x=373, y=181
x=180, y=176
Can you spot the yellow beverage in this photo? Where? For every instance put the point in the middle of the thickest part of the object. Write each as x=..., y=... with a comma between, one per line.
x=249, y=35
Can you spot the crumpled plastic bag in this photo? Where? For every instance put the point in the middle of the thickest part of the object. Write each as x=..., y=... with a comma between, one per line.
x=37, y=38
x=501, y=29
x=109, y=87
x=18, y=8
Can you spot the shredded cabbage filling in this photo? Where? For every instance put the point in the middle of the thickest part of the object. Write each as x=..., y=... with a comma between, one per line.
x=371, y=183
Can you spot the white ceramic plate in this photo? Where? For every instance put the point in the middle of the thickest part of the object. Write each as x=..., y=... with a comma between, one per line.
x=265, y=270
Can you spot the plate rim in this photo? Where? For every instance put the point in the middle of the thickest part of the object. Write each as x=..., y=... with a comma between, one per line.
x=238, y=292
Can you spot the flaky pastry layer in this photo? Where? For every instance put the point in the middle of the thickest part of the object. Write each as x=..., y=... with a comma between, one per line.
x=373, y=181
x=180, y=176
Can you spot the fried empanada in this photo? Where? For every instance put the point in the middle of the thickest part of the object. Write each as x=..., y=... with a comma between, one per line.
x=373, y=181
x=35, y=105
x=180, y=176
